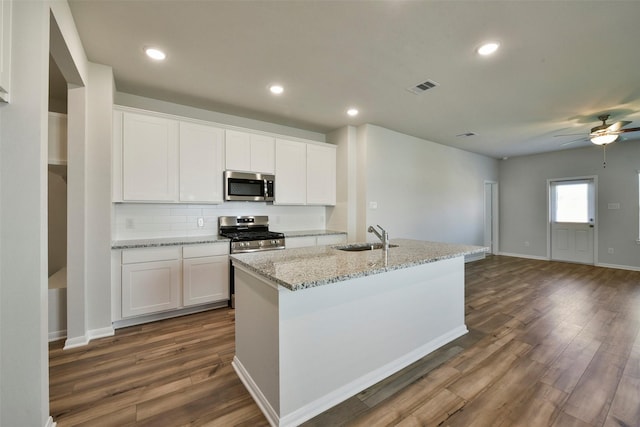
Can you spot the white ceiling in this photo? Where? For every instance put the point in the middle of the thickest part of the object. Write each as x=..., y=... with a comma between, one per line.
x=561, y=64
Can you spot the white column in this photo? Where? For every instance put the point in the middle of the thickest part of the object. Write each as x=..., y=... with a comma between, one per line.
x=24, y=373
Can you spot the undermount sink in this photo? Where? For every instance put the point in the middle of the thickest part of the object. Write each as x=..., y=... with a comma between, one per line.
x=358, y=247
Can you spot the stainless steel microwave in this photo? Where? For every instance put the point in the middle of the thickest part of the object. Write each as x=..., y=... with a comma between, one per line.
x=248, y=186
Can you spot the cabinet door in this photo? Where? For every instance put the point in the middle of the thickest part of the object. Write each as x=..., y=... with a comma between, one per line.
x=149, y=158
x=249, y=152
x=291, y=172
x=263, y=154
x=5, y=49
x=201, y=163
x=321, y=175
x=237, y=151
x=150, y=287
x=205, y=280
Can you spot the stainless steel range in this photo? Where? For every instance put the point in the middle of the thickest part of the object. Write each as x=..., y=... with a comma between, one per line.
x=248, y=234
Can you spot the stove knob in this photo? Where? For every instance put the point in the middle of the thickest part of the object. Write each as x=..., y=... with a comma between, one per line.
x=273, y=242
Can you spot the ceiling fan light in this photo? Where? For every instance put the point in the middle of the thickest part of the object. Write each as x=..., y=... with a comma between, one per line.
x=604, y=139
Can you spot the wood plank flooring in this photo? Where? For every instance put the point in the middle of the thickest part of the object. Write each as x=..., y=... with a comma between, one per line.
x=550, y=344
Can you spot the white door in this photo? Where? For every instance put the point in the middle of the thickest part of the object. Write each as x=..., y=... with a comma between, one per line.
x=572, y=214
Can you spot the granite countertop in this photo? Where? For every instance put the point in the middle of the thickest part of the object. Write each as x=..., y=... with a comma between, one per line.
x=193, y=240
x=166, y=241
x=304, y=233
x=301, y=268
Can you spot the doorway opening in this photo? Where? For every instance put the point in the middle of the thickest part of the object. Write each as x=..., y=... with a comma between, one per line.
x=572, y=219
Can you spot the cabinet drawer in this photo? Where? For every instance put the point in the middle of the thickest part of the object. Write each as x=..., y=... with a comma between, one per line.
x=130, y=256
x=197, y=251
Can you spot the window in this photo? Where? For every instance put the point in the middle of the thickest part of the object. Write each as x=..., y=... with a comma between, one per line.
x=572, y=202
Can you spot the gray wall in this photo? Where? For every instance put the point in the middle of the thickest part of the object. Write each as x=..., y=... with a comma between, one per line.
x=423, y=190
x=524, y=207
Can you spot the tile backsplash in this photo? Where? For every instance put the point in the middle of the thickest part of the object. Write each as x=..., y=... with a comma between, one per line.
x=143, y=221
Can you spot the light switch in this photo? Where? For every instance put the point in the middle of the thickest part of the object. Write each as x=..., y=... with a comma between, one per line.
x=613, y=205
x=373, y=205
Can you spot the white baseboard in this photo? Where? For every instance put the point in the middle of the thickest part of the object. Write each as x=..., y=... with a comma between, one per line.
x=346, y=391
x=619, y=267
x=50, y=422
x=101, y=333
x=139, y=320
x=540, y=258
x=90, y=335
x=598, y=264
x=255, y=392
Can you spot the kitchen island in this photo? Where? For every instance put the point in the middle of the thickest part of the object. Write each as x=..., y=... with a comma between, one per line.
x=315, y=326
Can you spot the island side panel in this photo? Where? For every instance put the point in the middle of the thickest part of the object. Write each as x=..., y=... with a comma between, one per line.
x=257, y=340
x=338, y=339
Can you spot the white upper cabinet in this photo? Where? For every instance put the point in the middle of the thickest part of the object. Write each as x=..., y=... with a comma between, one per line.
x=169, y=159
x=321, y=174
x=149, y=158
x=5, y=49
x=201, y=163
x=291, y=172
x=249, y=152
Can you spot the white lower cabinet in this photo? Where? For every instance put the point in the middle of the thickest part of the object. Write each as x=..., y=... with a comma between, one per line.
x=157, y=280
x=150, y=287
x=205, y=278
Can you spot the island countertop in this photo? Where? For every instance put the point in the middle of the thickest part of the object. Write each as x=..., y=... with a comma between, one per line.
x=302, y=268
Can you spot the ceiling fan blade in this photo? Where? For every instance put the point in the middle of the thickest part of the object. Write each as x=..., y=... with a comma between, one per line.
x=573, y=141
x=568, y=134
x=614, y=127
x=628, y=130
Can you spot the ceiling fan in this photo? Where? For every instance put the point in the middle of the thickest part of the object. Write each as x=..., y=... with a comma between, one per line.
x=605, y=133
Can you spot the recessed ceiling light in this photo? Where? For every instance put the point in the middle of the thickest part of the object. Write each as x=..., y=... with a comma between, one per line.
x=352, y=112
x=155, y=53
x=488, y=48
x=276, y=89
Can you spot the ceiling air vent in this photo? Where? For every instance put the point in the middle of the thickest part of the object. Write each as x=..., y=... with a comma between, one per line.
x=423, y=87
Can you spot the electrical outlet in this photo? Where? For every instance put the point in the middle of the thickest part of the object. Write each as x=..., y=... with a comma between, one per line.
x=200, y=222
x=129, y=223
x=526, y=243
x=610, y=250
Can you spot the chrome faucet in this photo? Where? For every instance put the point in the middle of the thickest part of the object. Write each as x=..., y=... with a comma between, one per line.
x=384, y=236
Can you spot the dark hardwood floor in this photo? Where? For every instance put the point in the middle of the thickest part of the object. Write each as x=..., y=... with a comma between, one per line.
x=550, y=344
